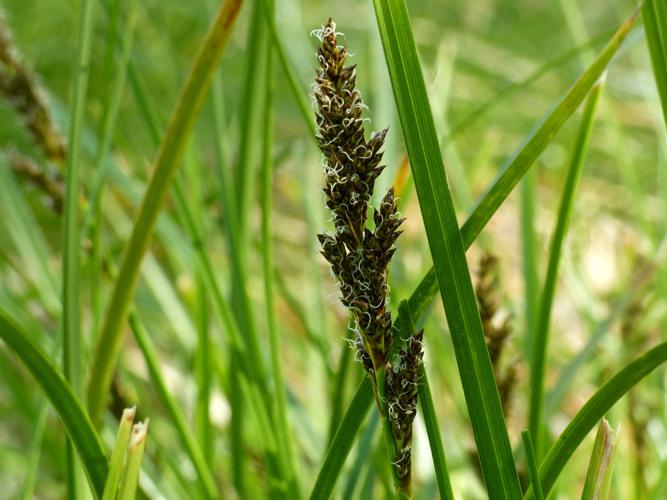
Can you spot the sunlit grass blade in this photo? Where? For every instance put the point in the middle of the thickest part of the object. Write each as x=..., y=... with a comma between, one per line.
x=423, y=295
x=654, y=15
x=601, y=466
x=540, y=342
x=180, y=126
x=594, y=409
x=118, y=454
x=187, y=438
x=407, y=329
x=447, y=249
x=532, y=465
x=76, y=421
x=135, y=455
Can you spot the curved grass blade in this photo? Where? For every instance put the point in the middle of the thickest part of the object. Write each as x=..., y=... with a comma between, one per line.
x=447, y=249
x=594, y=409
x=180, y=126
x=540, y=342
x=77, y=423
x=423, y=295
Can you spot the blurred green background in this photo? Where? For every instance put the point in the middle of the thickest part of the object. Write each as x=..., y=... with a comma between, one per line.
x=493, y=69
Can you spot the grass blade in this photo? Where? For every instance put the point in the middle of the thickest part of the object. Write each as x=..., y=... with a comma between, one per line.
x=594, y=409
x=532, y=465
x=180, y=126
x=423, y=295
x=541, y=340
x=187, y=438
x=447, y=249
x=77, y=423
x=654, y=15
x=135, y=455
x=118, y=454
x=71, y=332
x=343, y=441
x=600, y=468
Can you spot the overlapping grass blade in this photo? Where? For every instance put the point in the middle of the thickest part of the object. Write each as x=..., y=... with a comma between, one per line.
x=180, y=126
x=594, y=409
x=447, y=249
x=426, y=290
x=540, y=342
x=76, y=421
x=654, y=15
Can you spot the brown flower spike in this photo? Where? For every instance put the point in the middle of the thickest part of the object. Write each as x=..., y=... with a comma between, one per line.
x=360, y=256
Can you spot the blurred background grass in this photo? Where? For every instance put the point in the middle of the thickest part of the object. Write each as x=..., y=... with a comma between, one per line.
x=478, y=59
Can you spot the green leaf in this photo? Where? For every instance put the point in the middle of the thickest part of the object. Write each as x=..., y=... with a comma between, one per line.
x=171, y=149
x=135, y=455
x=594, y=409
x=532, y=465
x=654, y=14
x=178, y=418
x=343, y=441
x=601, y=466
x=447, y=249
x=76, y=421
x=118, y=454
x=540, y=343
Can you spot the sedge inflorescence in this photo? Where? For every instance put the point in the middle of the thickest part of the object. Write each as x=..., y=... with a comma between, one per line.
x=359, y=256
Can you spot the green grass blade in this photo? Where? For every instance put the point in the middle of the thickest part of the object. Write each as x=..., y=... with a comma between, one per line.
x=529, y=262
x=76, y=421
x=283, y=431
x=135, y=455
x=532, y=465
x=187, y=438
x=541, y=340
x=70, y=328
x=180, y=126
x=407, y=329
x=118, y=454
x=447, y=249
x=594, y=409
x=600, y=468
x=343, y=441
x=654, y=15
x=298, y=92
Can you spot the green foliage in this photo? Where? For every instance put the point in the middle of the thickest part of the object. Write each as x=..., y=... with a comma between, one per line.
x=199, y=215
